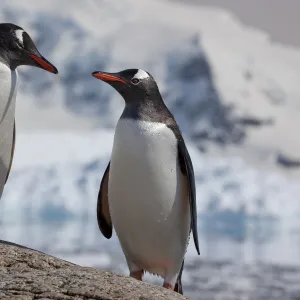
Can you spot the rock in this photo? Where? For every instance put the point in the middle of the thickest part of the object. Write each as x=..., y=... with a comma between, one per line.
x=26, y=274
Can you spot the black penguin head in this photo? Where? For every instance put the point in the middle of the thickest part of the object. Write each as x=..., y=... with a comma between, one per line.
x=17, y=48
x=133, y=84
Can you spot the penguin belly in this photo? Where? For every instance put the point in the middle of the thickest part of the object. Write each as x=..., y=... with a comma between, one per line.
x=148, y=197
x=8, y=88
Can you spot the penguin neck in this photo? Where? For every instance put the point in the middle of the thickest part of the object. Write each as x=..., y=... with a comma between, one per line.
x=8, y=91
x=148, y=109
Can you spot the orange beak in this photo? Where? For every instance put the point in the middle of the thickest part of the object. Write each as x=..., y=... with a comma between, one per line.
x=46, y=65
x=107, y=77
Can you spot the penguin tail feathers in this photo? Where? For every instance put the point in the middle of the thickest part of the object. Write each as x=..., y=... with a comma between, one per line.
x=178, y=286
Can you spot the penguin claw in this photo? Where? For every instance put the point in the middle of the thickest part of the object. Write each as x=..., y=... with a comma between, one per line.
x=137, y=275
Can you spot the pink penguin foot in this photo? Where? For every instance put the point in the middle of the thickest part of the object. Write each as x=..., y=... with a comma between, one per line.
x=168, y=286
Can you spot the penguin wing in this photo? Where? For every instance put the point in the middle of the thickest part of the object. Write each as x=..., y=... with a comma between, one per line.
x=103, y=216
x=12, y=151
x=187, y=169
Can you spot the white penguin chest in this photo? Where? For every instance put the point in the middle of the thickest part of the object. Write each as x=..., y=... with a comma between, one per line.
x=8, y=91
x=143, y=164
x=148, y=196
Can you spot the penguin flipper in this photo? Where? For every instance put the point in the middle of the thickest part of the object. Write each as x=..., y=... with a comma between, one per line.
x=187, y=169
x=12, y=151
x=103, y=215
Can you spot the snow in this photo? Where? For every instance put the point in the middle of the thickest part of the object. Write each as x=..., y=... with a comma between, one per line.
x=61, y=148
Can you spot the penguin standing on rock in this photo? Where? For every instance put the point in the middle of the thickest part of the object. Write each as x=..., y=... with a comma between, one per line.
x=16, y=49
x=148, y=189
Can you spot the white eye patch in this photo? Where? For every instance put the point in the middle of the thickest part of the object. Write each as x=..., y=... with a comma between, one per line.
x=19, y=36
x=141, y=74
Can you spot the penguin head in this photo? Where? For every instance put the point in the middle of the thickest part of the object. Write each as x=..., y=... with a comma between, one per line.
x=133, y=84
x=17, y=48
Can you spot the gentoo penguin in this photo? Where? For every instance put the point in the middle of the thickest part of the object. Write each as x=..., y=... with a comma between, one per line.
x=16, y=49
x=148, y=189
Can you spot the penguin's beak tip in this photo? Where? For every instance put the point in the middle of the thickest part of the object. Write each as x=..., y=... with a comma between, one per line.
x=98, y=75
x=43, y=63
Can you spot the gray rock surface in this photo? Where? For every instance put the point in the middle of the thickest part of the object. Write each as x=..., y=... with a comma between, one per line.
x=27, y=274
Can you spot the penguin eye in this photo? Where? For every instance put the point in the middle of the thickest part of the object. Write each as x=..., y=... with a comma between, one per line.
x=135, y=80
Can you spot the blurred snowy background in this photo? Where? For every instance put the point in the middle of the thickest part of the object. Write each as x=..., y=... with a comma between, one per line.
x=233, y=88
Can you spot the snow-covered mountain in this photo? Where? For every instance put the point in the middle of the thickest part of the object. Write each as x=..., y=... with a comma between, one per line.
x=105, y=36
x=217, y=76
